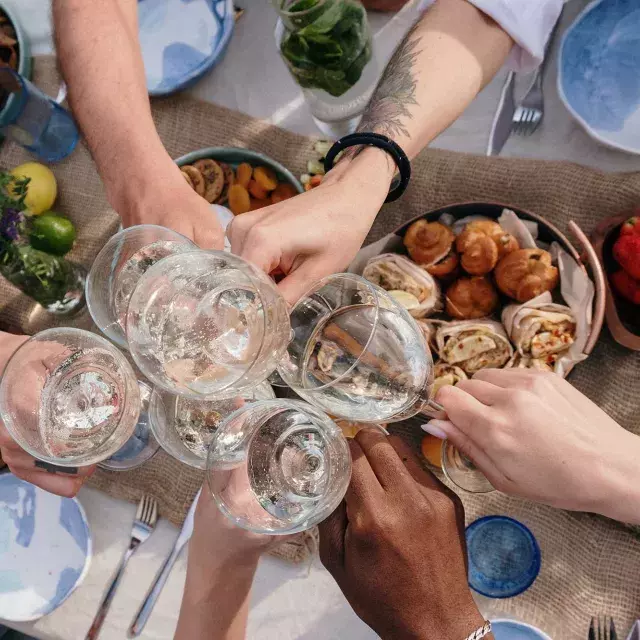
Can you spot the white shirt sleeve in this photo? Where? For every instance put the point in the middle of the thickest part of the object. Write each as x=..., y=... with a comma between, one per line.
x=528, y=22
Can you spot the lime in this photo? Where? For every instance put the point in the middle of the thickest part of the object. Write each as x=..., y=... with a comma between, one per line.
x=52, y=233
x=42, y=188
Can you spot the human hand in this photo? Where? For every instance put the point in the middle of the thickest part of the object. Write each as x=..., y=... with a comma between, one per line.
x=319, y=232
x=20, y=463
x=534, y=435
x=170, y=202
x=396, y=546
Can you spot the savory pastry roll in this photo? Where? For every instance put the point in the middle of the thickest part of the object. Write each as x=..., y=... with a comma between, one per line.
x=469, y=298
x=394, y=273
x=429, y=328
x=446, y=374
x=527, y=362
x=474, y=344
x=430, y=245
x=540, y=329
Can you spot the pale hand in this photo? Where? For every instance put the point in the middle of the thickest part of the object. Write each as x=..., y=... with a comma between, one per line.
x=534, y=435
x=319, y=232
x=20, y=463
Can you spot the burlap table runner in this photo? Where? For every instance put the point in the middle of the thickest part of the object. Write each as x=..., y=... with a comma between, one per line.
x=590, y=565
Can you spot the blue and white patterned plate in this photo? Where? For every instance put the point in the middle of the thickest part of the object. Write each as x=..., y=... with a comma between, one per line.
x=598, y=72
x=181, y=40
x=45, y=549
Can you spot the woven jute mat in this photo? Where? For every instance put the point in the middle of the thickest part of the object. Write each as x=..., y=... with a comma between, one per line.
x=590, y=565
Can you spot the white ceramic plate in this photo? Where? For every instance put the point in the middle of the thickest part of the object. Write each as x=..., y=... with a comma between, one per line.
x=45, y=549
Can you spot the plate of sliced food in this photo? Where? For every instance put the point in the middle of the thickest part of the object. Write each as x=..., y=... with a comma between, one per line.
x=492, y=286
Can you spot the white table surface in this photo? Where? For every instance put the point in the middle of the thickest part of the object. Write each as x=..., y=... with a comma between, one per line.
x=288, y=602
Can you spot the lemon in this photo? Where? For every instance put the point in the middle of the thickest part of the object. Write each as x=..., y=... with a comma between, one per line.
x=52, y=233
x=42, y=188
x=406, y=299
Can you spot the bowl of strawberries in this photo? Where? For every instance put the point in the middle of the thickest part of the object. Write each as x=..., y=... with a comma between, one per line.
x=617, y=242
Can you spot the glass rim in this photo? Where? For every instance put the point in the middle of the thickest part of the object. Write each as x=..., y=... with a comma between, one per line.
x=372, y=289
x=443, y=461
x=15, y=101
x=113, y=350
x=256, y=285
x=94, y=274
x=304, y=12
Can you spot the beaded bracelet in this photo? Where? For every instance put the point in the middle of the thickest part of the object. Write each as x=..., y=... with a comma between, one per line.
x=483, y=631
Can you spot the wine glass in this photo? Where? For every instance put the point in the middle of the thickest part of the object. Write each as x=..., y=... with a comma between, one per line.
x=69, y=398
x=356, y=353
x=117, y=269
x=462, y=472
x=184, y=427
x=278, y=466
x=142, y=445
x=207, y=325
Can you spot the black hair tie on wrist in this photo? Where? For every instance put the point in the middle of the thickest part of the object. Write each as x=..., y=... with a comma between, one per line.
x=382, y=142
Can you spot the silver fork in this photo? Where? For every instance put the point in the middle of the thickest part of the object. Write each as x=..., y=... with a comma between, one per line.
x=600, y=630
x=530, y=112
x=143, y=525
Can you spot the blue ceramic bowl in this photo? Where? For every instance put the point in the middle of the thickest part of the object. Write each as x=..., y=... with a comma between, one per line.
x=598, y=77
x=181, y=40
x=514, y=630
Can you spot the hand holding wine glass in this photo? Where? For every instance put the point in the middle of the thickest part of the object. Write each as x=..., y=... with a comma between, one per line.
x=534, y=435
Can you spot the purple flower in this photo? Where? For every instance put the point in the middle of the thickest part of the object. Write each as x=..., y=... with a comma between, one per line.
x=10, y=222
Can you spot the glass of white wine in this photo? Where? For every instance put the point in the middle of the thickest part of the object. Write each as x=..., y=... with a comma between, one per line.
x=207, y=325
x=69, y=398
x=278, y=466
x=356, y=353
x=185, y=427
x=118, y=267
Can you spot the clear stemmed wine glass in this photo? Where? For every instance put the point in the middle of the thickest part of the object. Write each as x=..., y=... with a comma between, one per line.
x=356, y=353
x=207, y=325
x=117, y=269
x=142, y=445
x=185, y=427
x=278, y=466
x=462, y=472
x=69, y=398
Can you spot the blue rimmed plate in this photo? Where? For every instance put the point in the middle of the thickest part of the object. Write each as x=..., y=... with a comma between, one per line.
x=598, y=77
x=181, y=40
x=514, y=630
x=45, y=549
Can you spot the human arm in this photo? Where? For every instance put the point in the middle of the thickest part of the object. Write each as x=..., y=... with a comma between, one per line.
x=433, y=75
x=534, y=435
x=222, y=563
x=100, y=58
x=402, y=521
x=20, y=463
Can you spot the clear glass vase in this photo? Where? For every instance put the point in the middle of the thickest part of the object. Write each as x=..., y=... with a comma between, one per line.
x=57, y=284
x=327, y=46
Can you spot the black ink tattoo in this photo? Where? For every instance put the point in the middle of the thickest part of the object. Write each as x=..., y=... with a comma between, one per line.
x=388, y=109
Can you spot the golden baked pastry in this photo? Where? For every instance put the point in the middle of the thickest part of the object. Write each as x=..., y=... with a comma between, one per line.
x=229, y=179
x=194, y=178
x=526, y=273
x=428, y=242
x=213, y=178
x=469, y=298
x=444, y=267
x=482, y=243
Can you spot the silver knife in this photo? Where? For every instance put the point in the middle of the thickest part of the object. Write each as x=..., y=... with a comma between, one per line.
x=154, y=591
x=503, y=120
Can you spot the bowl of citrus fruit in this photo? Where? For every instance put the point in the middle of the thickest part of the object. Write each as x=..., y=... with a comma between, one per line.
x=239, y=179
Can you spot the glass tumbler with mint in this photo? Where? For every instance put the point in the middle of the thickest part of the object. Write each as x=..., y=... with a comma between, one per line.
x=327, y=47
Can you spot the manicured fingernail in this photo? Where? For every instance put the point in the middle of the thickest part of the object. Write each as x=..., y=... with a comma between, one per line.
x=433, y=427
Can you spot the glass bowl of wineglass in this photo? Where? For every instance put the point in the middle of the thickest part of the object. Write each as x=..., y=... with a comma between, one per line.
x=117, y=269
x=207, y=325
x=462, y=472
x=185, y=427
x=356, y=353
x=69, y=397
x=278, y=466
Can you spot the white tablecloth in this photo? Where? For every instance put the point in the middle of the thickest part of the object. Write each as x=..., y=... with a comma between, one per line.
x=288, y=602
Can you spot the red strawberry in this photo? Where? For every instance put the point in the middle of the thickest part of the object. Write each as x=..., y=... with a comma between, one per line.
x=631, y=226
x=626, y=286
x=626, y=251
